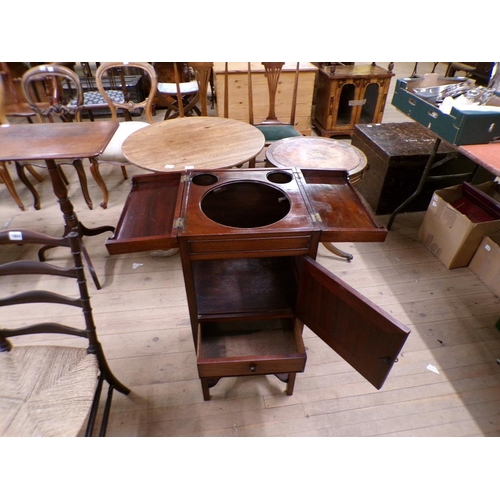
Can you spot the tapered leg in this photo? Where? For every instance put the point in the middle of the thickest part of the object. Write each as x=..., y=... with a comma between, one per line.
x=82, y=177
x=33, y=172
x=206, y=384
x=94, y=170
x=205, y=388
x=290, y=384
x=332, y=248
x=289, y=379
x=7, y=180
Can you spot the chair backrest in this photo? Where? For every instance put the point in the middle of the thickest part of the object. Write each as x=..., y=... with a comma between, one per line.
x=113, y=76
x=79, y=370
x=5, y=177
x=12, y=85
x=202, y=73
x=177, y=81
x=53, y=91
x=15, y=103
x=27, y=266
x=273, y=72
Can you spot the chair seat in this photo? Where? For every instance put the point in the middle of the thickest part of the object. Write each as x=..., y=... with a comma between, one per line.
x=94, y=98
x=46, y=390
x=273, y=133
x=113, y=151
x=185, y=87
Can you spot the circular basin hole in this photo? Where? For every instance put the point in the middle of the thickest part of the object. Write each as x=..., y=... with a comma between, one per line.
x=279, y=177
x=204, y=179
x=245, y=204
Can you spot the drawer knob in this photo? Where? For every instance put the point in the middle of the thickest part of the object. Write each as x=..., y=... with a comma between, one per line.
x=253, y=368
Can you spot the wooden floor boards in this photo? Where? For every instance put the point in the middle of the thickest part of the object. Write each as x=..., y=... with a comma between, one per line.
x=143, y=322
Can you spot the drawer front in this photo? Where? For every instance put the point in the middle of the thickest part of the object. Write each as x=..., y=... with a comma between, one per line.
x=251, y=366
x=245, y=247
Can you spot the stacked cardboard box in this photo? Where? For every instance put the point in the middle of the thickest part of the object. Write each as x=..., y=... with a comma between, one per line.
x=455, y=223
x=486, y=262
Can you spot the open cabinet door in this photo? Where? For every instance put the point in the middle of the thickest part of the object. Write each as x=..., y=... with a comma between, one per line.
x=355, y=328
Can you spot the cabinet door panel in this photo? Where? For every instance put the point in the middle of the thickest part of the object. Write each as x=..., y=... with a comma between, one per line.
x=357, y=329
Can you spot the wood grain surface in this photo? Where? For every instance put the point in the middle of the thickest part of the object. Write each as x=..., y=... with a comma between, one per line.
x=202, y=142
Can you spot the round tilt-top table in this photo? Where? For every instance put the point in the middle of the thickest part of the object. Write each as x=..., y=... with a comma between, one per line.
x=319, y=153
x=201, y=142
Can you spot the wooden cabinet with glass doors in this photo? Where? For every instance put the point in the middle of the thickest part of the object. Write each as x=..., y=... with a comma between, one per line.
x=348, y=95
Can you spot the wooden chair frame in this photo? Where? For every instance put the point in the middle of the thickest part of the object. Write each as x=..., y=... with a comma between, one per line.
x=186, y=96
x=114, y=70
x=272, y=71
x=44, y=87
x=15, y=104
x=5, y=177
x=202, y=74
x=76, y=272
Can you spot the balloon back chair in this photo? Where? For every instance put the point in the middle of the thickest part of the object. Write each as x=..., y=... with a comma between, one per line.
x=137, y=102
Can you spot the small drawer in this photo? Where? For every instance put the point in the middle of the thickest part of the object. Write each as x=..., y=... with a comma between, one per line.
x=238, y=348
x=210, y=368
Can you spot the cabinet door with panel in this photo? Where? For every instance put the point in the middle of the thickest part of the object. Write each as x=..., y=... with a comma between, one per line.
x=348, y=95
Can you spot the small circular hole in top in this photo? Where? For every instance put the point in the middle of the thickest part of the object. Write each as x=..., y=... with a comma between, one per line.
x=204, y=179
x=279, y=177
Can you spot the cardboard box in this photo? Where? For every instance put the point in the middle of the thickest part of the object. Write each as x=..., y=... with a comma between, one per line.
x=451, y=235
x=458, y=127
x=486, y=262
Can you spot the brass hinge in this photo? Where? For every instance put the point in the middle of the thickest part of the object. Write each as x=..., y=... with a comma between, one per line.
x=179, y=222
x=184, y=178
x=316, y=217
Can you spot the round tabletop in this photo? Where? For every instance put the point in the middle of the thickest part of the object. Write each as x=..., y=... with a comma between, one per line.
x=201, y=142
x=317, y=152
